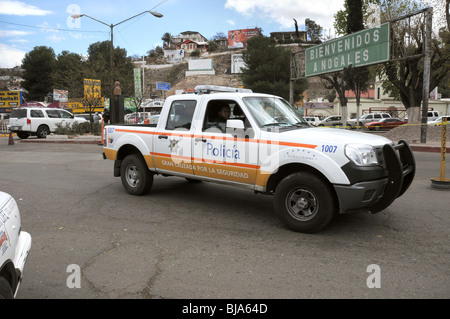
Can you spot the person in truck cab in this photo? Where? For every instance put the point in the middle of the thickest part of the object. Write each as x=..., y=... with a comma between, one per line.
x=223, y=113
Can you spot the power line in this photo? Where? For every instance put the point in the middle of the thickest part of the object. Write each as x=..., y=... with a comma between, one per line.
x=48, y=28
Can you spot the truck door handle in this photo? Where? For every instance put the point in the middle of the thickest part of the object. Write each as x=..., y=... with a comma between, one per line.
x=201, y=140
x=163, y=136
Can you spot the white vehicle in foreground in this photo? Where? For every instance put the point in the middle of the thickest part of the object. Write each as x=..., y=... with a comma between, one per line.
x=15, y=245
x=266, y=146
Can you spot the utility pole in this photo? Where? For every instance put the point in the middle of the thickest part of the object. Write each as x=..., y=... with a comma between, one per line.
x=426, y=73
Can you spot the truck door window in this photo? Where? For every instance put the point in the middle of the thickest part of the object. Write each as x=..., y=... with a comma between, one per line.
x=180, y=115
x=214, y=117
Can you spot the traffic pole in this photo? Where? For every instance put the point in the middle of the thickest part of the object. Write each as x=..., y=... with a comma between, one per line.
x=442, y=182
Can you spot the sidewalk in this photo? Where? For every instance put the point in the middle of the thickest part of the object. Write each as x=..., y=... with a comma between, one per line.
x=69, y=139
x=434, y=147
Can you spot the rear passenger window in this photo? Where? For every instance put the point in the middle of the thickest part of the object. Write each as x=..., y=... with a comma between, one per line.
x=36, y=113
x=181, y=115
x=53, y=114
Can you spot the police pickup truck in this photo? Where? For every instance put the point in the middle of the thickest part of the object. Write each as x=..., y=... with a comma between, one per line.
x=266, y=146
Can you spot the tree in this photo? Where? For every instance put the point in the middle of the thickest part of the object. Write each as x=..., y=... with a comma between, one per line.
x=405, y=70
x=313, y=30
x=356, y=79
x=355, y=16
x=268, y=68
x=98, y=67
x=219, y=35
x=341, y=17
x=443, y=66
x=68, y=73
x=335, y=81
x=167, y=40
x=38, y=64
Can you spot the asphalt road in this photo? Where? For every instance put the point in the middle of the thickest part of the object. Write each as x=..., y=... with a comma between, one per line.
x=93, y=240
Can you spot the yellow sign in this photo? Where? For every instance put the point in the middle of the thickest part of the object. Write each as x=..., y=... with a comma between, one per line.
x=9, y=99
x=92, y=89
x=77, y=106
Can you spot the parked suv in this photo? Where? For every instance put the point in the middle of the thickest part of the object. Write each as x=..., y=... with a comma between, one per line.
x=26, y=121
x=367, y=118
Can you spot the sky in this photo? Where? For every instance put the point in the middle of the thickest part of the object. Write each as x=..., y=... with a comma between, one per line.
x=25, y=24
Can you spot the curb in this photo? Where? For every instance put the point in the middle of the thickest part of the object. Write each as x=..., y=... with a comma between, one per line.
x=62, y=142
x=429, y=149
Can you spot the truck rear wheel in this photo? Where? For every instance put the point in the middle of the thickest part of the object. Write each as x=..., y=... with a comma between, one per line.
x=304, y=203
x=42, y=131
x=135, y=175
x=23, y=135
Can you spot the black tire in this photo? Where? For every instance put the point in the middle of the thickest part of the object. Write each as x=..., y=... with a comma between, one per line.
x=304, y=202
x=42, y=131
x=23, y=135
x=193, y=181
x=135, y=175
x=5, y=289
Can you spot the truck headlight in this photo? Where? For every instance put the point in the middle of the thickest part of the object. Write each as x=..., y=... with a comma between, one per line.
x=361, y=154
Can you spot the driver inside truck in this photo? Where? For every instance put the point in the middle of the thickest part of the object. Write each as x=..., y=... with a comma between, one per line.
x=223, y=113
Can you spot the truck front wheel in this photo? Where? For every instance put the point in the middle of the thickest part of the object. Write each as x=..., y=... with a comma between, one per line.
x=304, y=203
x=135, y=175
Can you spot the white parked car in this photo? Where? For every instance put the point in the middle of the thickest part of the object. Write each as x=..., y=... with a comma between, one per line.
x=87, y=117
x=438, y=121
x=15, y=245
x=39, y=121
x=312, y=119
x=333, y=120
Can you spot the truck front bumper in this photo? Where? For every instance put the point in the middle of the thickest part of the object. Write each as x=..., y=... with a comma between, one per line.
x=376, y=195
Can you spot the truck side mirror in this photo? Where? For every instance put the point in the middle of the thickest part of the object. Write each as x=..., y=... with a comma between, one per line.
x=235, y=124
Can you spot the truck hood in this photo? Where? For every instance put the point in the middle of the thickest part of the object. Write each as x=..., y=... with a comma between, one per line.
x=333, y=135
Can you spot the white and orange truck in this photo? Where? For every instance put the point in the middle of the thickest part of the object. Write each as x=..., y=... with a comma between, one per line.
x=266, y=146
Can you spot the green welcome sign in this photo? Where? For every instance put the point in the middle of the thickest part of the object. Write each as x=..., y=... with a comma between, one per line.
x=365, y=47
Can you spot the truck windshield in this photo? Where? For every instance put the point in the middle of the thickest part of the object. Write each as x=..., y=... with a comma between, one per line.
x=273, y=111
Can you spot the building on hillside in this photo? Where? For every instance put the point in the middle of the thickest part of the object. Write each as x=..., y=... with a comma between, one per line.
x=289, y=37
x=189, y=46
x=11, y=82
x=222, y=42
x=190, y=41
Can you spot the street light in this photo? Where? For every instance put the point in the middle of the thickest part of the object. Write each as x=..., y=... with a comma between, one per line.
x=113, y=114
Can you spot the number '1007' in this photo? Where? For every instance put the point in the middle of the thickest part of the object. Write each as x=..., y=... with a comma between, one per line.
x=329, y=148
